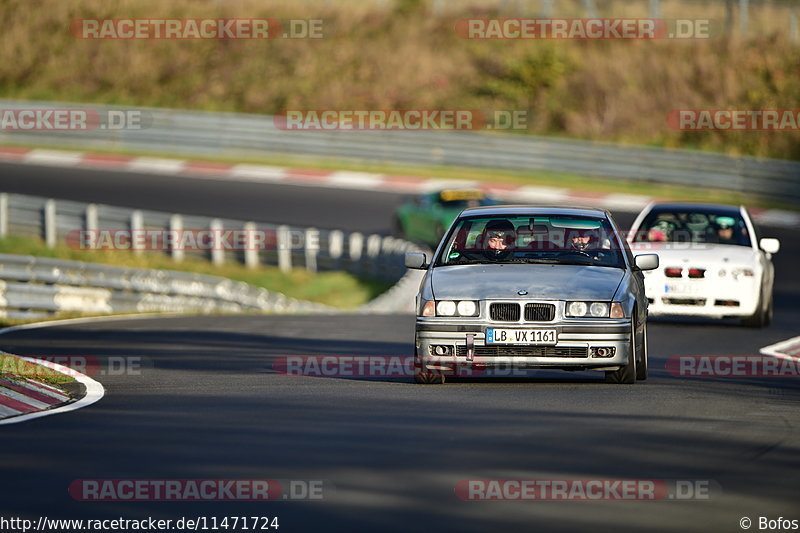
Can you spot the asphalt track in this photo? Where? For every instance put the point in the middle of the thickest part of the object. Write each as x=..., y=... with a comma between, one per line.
x=209, y=403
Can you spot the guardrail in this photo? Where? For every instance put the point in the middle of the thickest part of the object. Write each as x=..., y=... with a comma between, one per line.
x=32, y=287
x=35, y=287
x=84, y=225
x=169, y=131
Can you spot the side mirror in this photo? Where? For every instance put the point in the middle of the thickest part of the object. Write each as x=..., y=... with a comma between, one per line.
x=771, y=246
x=646, y=261
x=416, y=260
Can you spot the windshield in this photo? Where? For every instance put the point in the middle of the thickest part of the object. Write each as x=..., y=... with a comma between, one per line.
x=566, y=240
x=694, y=226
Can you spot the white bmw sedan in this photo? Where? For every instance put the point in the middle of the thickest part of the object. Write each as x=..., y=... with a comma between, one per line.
x=713, y=262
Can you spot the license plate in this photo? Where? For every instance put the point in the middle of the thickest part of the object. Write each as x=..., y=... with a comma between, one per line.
x=521, y=336
x=682, y=288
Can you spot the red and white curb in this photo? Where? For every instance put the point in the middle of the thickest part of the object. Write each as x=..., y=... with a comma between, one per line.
x=788, y=349
x=349, y=180
x=25, y=399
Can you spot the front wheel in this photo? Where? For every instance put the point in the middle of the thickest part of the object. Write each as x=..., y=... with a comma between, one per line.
x=641, y=365
x=762, y=317
x=423, y=376
x=626, y=374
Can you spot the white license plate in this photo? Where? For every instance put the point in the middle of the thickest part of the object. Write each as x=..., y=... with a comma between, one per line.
x=521, y=336
x=682, y=288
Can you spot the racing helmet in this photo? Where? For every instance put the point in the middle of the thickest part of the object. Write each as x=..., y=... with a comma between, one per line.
x=499, y=229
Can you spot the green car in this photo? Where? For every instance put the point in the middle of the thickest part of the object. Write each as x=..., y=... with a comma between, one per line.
x=425, y=218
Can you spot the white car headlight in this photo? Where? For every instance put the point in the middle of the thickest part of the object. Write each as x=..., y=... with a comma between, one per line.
x=577, y=309
x=590, y=309
x=445, y=308
x=467, y=308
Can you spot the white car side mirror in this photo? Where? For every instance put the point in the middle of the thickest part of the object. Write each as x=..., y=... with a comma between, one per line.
x=771, y=246
x=416, y=260
x=646, y=261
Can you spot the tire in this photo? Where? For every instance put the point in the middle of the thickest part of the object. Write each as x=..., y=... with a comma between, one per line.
x=627, y=373
x=641, y=364
x=426, y=377
x=762, y=317
x=770, y=311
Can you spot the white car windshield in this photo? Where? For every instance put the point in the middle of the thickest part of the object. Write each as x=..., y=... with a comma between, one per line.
x=694, y=226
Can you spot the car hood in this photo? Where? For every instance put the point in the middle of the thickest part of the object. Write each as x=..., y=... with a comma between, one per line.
x=557, y=282
x=694, y=254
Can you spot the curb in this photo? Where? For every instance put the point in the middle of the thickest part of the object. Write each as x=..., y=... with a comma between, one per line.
x=364, y=181
x=24, y=399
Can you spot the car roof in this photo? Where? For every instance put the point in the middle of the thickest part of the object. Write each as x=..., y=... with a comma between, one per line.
x=685, y=206
x=508, y=210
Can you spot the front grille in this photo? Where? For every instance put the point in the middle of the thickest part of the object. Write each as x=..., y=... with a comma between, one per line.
x=525, y=351
x=540, y=312
x=504, y=312
x=685, y=301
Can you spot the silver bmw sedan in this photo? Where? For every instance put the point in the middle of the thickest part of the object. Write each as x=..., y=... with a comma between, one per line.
x=512, y=288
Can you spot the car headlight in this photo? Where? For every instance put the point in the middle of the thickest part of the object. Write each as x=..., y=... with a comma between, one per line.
x=445, y=308
x=467, y=308
x=450, y=308
x=577, y=309
x=594, y=310
x=598, y=309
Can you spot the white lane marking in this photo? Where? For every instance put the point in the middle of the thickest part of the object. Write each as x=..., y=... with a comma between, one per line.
x=94, y=392
x=156, y=165
x=625, y=202
x=532, y=194
x=53, y=158
x=779, y=348
x=432, y=185
x=89, y=319
x=258, y=173
x=354, y=180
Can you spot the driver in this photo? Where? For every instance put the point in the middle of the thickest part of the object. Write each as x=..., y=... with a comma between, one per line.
x=499, y=241
x=584, y=240
x=589, y=243
x=725, y=230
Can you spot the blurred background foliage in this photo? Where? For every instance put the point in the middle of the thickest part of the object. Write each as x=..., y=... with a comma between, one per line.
x=390, y=54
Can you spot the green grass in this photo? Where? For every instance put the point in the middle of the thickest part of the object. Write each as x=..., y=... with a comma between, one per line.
x=337, y=289
x=13, y=367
